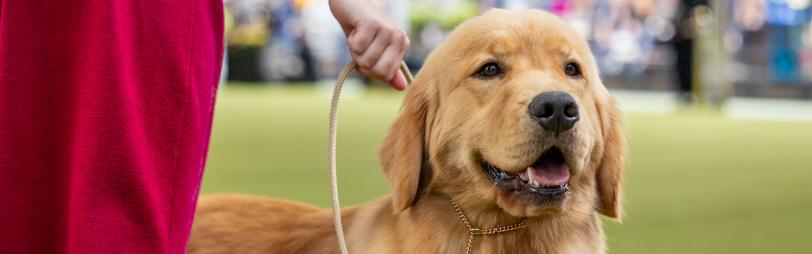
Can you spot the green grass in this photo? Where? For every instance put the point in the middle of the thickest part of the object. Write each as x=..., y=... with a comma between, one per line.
x=696, y=182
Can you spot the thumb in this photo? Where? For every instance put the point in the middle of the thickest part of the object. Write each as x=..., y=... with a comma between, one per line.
x=398, y=81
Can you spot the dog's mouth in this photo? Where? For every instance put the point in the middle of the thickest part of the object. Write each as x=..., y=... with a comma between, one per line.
x=547, y=179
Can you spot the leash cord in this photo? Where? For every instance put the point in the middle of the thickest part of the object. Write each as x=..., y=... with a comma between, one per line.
x=331, y=143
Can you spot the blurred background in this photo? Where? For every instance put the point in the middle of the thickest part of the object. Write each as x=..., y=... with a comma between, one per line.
x=717, y=96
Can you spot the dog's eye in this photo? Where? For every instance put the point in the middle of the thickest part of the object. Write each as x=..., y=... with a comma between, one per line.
x=489, y=70
x=572, y=69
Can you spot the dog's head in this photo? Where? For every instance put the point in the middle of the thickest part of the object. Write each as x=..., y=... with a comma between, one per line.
x=510, y=112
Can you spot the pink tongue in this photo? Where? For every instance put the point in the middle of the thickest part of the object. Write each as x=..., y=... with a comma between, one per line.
x=551, y=174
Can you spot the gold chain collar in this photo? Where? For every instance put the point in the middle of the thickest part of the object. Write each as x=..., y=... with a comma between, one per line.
x=472, y=231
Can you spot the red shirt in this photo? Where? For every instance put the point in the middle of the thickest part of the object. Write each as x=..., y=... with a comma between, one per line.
x=105, y=115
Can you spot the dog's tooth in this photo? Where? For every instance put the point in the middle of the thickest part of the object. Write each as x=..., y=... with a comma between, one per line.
x=531, y=176
x=523, y=176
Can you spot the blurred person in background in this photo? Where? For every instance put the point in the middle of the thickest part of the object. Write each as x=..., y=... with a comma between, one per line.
x=324, y=40
x=106, y=111
x=683, y=43
x=228, y=27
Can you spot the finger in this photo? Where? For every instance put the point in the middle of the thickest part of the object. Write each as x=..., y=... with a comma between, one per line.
x=366, y=72
x=361, y=37
x=389, y=63
x=398, y=81
x=400, y=44
x=372, y=54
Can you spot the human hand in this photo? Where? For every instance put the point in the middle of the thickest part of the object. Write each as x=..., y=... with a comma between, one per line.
x=376, y=44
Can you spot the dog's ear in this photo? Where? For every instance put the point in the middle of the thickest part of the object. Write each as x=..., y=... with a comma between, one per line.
x=402, y=155
x=609, y=175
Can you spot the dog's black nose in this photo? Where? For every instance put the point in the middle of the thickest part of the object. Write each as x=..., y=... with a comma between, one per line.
x=555, y=111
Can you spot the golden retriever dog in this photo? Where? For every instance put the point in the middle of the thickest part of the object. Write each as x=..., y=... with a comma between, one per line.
x=507, y=121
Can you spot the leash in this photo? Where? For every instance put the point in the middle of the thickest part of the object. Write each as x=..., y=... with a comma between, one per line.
x=331, y=143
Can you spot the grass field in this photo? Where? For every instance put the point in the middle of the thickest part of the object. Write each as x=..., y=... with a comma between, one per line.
x=696, y=182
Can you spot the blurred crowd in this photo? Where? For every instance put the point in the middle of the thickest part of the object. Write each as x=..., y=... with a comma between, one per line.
x=752, y=47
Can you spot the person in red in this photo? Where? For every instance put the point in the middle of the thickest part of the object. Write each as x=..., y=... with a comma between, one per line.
x=105, y=115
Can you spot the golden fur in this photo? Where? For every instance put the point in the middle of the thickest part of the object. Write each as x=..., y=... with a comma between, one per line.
x=451, y=120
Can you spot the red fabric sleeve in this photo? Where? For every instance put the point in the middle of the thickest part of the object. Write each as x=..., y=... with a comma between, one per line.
x=105, y=115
